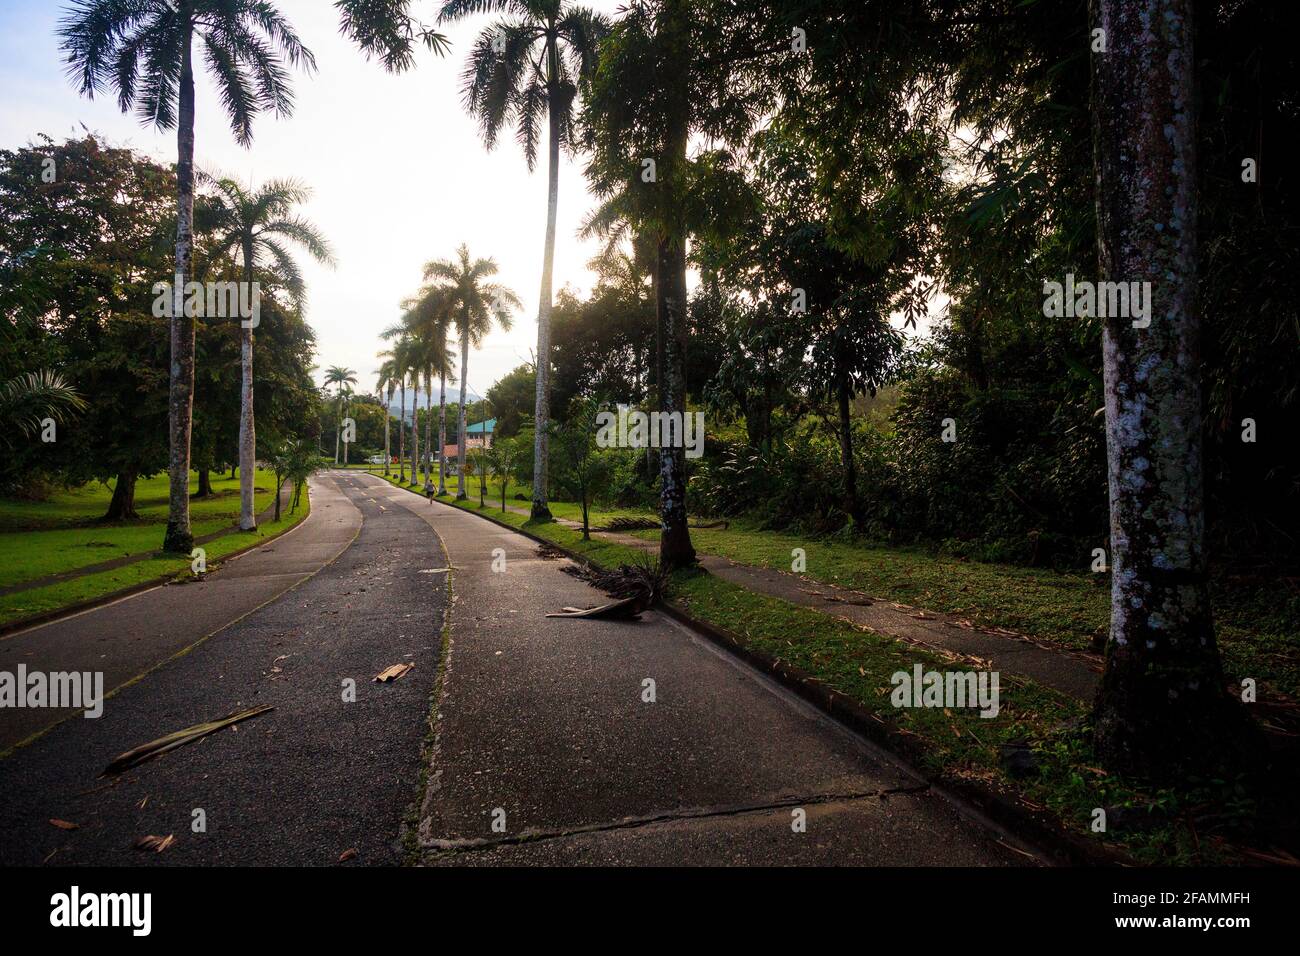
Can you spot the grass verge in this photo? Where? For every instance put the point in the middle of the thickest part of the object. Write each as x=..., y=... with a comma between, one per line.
x=37, y=603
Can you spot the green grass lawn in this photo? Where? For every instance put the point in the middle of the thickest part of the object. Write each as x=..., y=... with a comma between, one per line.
x=27, y=604
x=66, y=532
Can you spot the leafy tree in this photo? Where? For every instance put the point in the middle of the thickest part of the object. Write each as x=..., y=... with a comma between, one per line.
x=83, y=253
x=144, y=50
x=502, y=459
x=511, y=398
x=584, y=468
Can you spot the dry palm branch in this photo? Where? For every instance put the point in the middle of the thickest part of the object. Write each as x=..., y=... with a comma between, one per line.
x=160, y=746
x=635, y=586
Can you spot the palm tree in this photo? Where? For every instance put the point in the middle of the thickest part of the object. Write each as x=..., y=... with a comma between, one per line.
x=473, y=303
x=258, y=223
x=144, y=50
x=346, y=394
x=26, y=401
x=532, y=62
x=410, y=352
x=644, y=103
x=386, y=384
x=428, y=319
x=340, y=377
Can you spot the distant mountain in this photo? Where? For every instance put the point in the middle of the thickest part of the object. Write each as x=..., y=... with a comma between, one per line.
x=453, y=395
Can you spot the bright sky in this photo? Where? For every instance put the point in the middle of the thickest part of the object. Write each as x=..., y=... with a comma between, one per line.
x=398, y=172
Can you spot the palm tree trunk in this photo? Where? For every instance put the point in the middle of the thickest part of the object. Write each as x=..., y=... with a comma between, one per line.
x=180, y=397
x=247, y=432
x=428, y=433
x=1161, y=711
x=401, y=436
x=338, y=421
x=460, y=437
x=388, y=430
x=542, y=411
x=415, y=432
x=442, y=433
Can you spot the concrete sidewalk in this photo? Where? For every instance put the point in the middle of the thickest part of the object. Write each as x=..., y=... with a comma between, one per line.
x=548, y=751
x=127, y=637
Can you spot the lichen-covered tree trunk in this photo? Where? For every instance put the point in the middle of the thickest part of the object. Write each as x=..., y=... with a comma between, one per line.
x=1162, y=711
x=460, y=438
x=442, y=434
x=542, y=412
x=247, y=431
x=675, y=548
x=180, y=395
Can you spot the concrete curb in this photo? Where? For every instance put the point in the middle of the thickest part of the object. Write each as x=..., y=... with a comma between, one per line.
x=1034, y=825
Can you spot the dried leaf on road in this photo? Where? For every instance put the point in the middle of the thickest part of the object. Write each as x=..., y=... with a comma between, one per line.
x=392, y=673
x=155, y=843
x=181, y=737
x=64, y=824
x=349, y=854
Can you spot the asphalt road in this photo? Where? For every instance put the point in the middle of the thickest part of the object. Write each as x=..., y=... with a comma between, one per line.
x=301, y=784
x=544, y=745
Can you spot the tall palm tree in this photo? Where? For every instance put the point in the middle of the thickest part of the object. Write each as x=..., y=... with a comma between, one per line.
x=429, y=318
x=409, y=352
x=257, y=224
x=474, y=303
x=340, y=377
x=386, y=384
x=644, y=103
x=346, y=395
x=143, y=49
x=529, y=64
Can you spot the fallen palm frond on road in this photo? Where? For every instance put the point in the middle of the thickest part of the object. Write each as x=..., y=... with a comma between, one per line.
x=178, y=739
x=628, y=609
